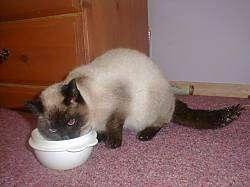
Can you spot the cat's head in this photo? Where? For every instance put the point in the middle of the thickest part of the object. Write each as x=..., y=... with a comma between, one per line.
x=61, y=110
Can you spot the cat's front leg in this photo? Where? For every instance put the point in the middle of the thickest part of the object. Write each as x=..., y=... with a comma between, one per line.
x=113, y=132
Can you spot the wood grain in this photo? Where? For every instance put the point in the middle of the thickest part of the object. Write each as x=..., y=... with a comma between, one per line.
x=47, y=39
x=42, y=51
x=14, y=96
x=116, y=23
x=23, y=9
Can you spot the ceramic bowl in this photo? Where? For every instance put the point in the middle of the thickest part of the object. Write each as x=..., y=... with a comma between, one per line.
x=64, y=154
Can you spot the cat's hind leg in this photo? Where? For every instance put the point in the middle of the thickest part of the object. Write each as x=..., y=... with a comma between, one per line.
x=148, y=133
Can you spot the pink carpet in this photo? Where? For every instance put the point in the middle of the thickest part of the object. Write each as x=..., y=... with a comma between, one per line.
x=177, y=156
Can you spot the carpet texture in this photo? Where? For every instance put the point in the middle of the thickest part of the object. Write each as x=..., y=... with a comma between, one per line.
x=177, y=156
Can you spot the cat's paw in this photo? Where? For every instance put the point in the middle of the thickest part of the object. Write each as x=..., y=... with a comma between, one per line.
x=113, y=143
x=144, y=137
x=231, y=113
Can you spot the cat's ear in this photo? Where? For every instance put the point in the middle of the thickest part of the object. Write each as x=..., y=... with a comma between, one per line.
x=35, y=106
x=71, y=94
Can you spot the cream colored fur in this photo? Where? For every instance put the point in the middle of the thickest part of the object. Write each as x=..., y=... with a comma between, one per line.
x=122, y=80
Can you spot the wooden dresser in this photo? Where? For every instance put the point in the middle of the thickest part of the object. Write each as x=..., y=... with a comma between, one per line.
x=42, y=40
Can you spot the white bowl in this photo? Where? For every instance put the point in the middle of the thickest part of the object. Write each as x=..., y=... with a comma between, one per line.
x=64, y=154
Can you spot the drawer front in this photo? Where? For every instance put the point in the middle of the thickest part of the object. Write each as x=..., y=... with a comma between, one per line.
x=14, y=9
x=41, y=51
x=16, y=96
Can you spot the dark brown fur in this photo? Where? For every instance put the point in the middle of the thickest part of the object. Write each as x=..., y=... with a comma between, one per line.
x=205, y=119
x=148, y=133
x=62, y=125
x=114, y=129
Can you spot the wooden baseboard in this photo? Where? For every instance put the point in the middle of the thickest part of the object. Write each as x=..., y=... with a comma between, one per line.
x=215, y=89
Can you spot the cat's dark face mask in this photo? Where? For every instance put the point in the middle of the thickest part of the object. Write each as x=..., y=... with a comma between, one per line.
x=66, y=119
x=60, y=126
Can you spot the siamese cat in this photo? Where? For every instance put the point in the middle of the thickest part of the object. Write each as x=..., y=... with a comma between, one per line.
x=122, y=88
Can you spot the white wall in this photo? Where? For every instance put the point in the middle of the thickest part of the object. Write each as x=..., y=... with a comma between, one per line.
x=201, y=40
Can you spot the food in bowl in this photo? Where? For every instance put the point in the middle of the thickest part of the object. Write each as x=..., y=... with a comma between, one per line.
x=63, y=154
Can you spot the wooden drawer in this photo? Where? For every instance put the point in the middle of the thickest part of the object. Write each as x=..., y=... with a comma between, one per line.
x=42, y=51
x=13, y=96
x=20, y=9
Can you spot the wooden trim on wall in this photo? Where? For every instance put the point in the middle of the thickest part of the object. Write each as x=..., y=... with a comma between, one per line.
x=216, y=89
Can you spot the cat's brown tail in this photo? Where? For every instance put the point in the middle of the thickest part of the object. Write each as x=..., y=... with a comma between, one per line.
x=205, y=119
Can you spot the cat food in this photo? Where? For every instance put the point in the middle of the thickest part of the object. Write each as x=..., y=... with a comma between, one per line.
x=64, y=154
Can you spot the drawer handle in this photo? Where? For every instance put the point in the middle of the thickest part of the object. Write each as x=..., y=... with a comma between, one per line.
x=4, y=54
